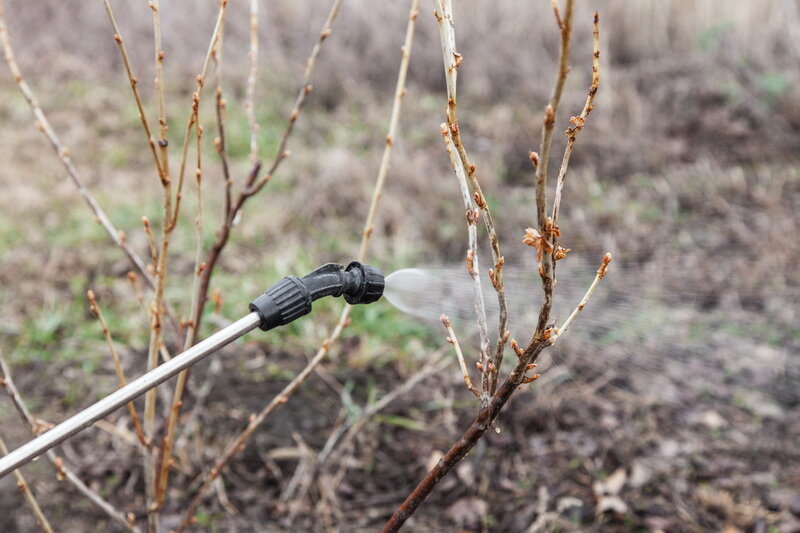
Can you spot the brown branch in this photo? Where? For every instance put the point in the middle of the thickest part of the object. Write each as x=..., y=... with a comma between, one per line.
x=452, y=339
x=253, y=184
x=305, y=90
x=239, y=442
x=159, y=82
x=452, y=60
x=219, y=142
x=134, y=83
x=41, y=519
x=472, y=266
x=394, y=118
x=487, y=415
x=466, y=442
x=201, y=80
x=62, y=471
x=578, y=123
x=94, y=307
x=168, y=441
x=154, y=486
x=63, y=155
x=251, y=82
x=541, y=161
x=543, y=157
x=544, y=241
x=601, y=273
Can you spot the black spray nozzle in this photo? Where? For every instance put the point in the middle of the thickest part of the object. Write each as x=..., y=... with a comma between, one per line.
x=291, y=298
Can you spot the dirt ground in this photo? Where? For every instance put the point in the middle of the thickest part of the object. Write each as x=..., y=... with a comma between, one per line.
x=673, y=406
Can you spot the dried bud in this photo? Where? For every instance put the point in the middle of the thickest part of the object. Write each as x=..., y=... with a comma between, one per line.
x=560, y=253
x=533, y=238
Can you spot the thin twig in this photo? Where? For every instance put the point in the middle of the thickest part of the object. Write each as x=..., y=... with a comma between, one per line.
x=240, y=441
x=472, y=215
x=63, y=154
x=452, y=339
x=305, y=90
x=253, y=184
x=154, y=487
x=201, y=79
x=94, y=307
x=159, y=82
x=134, y=83
x=399, y=93
x=180, y=385
x=62, y=471
x=601, y=273
x=452, y=61
x=546, y=226
x=41, y=519
x=151, y=240
x=219, y=142
x=578, y=123
x=251, y=82
x=542, y=159
x=544, y=336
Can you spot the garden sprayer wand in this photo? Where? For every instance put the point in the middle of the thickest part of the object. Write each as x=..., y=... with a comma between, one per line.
x=281, y=304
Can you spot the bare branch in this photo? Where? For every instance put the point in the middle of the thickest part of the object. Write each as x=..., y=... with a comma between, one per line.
x=201, y=79
x=240, y=441
x=41, y=519
x=134, y=82
x=251, y=185
x=565, y=30
x=601, y=273
x=62, y=471
x=577, y=123
x=472, y=266
x=399, y=93
x=452, y=61
x=251, y=82
x=541, y=161
x=159, y=81
x=543, y=240
x=305, y=90
x=63, y=154
x=180, y=385
x=94, y=307
x=452, y=339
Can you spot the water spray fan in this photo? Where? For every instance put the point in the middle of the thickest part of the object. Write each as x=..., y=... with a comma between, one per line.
x=282, y=303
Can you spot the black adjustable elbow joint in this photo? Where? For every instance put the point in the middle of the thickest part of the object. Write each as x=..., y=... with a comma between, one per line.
x=291, y=298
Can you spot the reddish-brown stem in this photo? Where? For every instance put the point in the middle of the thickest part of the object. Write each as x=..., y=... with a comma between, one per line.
x=253, y=184
x=466, y=442
x=240, y=441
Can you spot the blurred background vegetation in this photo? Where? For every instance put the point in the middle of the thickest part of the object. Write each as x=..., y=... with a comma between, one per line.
x=687, y=172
